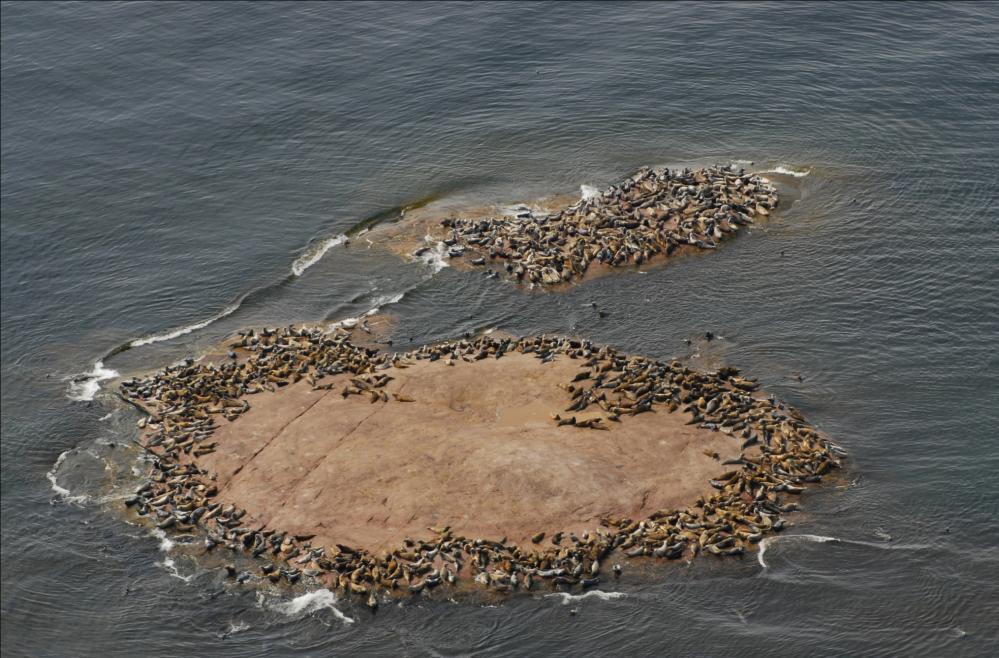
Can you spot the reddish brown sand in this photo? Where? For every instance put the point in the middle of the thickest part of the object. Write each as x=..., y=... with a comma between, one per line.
x=477, y=449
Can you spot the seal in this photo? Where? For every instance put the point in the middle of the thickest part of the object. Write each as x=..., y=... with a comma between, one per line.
x=646, y=216
x=781, y=455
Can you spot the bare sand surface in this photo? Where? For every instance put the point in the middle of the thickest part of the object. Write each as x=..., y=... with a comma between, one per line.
x=475, y=449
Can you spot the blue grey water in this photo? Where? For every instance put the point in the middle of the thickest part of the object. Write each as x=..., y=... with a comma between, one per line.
x=167, y=164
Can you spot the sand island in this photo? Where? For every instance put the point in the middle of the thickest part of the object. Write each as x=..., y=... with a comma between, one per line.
x=511, y=462
x=646, y=219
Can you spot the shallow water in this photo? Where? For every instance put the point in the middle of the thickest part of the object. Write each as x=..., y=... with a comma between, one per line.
x=167, y=165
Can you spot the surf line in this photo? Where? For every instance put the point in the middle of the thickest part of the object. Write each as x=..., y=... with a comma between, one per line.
x=85, y=386
x=786, y=171
x=822, y=539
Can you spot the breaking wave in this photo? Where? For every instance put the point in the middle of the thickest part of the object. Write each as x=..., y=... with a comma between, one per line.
x=175, y=333
x=83, y=388
x=320, y=599
x=171, y=568
x=781, y=169
x=315, y=253
x=822, y=539
x=169, y=565
x=435, y=256
x=568, y=598
x=166, y=544
x=385, y=300
x=59, y=490
x=885, y=544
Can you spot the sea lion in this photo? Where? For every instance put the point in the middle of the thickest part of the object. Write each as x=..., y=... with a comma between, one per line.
x=788, y=454
x=637, y=221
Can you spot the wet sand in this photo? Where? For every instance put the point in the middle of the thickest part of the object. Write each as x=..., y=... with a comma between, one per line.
x=476, y=449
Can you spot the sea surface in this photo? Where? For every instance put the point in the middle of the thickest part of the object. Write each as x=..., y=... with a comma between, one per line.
x=173, y=172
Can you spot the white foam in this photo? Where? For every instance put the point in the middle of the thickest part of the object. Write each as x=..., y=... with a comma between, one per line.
x=60, y=491
x=379, y=303
x=175, y=333
x=166, y=544
x=346, y=323
x=310, y=602
x=512, y=211
x=237, y=627
x=781, y=169
x=436, y=257
x=881, y=534
x=385, y=300
x=171, y=568
x=568, y=598
x=314, y=253
x=588, y=192
x=822, y=539
x=83, y=388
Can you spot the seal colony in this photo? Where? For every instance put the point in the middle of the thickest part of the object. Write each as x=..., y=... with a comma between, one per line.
x=649, y=215
x=775, y=454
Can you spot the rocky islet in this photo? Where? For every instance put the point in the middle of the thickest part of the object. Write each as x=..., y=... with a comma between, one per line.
x=780, y=453
x=648, y=216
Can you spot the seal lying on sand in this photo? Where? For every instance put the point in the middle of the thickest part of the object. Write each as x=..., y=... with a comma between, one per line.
x=651, y=214
x=779, y=453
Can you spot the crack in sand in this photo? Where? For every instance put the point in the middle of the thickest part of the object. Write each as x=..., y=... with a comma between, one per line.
x=320, y=462
x=242, y=466
x=336, y=462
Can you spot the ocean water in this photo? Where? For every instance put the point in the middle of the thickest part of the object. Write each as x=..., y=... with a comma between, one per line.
x=173, y=172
